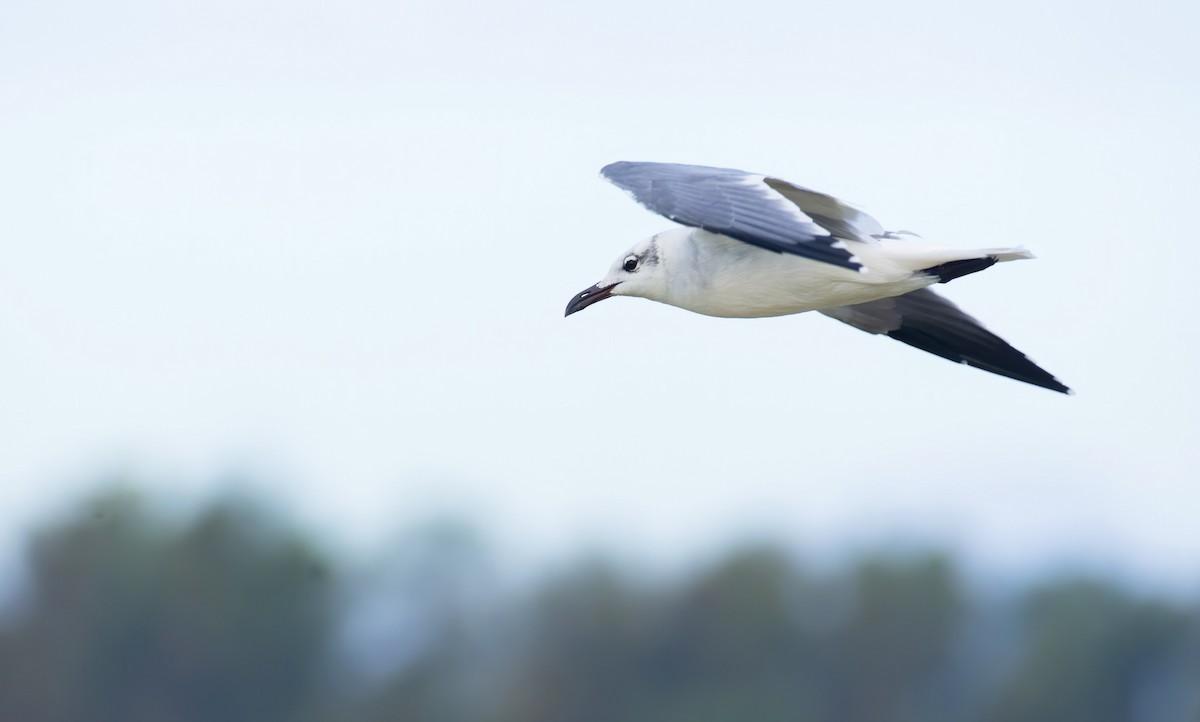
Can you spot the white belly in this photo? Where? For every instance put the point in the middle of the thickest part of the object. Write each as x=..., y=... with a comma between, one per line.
x=744, y=281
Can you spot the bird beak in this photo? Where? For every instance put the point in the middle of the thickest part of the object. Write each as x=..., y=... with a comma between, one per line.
x=588, y=296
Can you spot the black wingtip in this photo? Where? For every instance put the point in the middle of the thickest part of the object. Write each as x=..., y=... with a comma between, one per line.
x=986, y=351
x=947, y=272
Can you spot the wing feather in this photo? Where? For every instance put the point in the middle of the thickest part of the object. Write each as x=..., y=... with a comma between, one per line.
x=755, y=209
x=922, y=319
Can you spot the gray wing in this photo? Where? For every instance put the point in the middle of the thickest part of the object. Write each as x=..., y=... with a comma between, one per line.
x=755, y=209
x=927, y=321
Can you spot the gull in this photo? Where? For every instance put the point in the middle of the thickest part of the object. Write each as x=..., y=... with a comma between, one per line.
x=754, y=245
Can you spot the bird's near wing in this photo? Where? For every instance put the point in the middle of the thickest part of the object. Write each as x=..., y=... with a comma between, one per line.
x=929, y=322
x=755, y=209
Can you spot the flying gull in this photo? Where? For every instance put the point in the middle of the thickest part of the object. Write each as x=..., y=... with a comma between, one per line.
x=754, y=245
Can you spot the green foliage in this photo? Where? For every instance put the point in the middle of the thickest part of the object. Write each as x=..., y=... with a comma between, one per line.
x=232, y=616
x=1097, y=653
x=129, y=621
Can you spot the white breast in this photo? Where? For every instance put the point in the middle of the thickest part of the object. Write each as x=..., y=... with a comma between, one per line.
x=718, y=276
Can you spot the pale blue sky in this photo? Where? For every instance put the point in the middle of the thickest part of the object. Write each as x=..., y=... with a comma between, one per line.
x=330, y=243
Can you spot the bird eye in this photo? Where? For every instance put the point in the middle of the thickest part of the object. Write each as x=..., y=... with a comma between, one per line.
x=630, y=264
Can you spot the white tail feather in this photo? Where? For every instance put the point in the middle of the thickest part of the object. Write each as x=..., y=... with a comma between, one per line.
x=1019, y=253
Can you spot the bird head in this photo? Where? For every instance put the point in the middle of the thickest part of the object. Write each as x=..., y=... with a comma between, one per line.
x=637, y=272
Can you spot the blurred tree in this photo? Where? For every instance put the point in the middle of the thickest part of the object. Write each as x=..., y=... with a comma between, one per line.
x=585, y=650
x=129, y=621
x=893, y=657
x=751, y=639
x=425, y=623
x=232, y=617
x=1095, y=653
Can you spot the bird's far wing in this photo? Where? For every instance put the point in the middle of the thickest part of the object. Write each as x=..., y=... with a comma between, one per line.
x=754, y=209
x=838, y=217
x=927, y=321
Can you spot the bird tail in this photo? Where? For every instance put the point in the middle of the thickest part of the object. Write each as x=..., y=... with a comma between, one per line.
x=1019, y=253
x=901, y=254
x=976, y=261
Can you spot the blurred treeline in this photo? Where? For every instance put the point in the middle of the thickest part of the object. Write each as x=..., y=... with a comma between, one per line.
x=131, y=615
